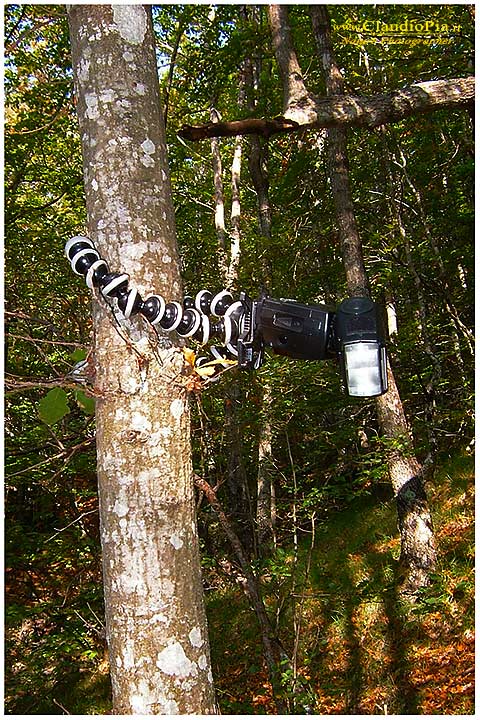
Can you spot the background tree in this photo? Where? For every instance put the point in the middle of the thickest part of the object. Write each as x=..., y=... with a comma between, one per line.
x=418, y=554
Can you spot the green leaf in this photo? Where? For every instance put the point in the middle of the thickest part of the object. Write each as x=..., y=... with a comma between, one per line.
x=86, y=403
x=78, y=355
x=53, y=407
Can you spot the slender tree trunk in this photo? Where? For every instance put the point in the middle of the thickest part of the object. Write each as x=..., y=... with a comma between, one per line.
x=265, y=490
x=237, y=481
x=155, y=618
x=272, y=649
x=296, y=98
x=219, y=199
x=232, y=273
x=257, y=156
x=416, y=533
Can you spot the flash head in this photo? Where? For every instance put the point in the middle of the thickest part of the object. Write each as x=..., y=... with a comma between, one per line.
x=360, y=340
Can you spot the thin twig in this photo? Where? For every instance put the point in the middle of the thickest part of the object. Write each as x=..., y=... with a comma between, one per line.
x=89, y=512
x=49, y=342
x=61, y=706
x=71, y=451
x=273, y=650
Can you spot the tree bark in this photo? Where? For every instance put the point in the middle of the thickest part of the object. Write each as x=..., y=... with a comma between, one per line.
x=257, y=157
x=415, y=526
x=155, y=618
x=235, y=170
x=265, y=515
x=348, y=110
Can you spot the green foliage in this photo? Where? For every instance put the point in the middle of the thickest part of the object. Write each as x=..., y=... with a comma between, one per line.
x=86, y=402
x=53, y=407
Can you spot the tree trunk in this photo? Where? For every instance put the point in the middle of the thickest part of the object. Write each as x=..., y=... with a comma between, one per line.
x=417, y=543
x=295, y=95
x=232, y=273
x=415, y=525
x=257, y=156
x=155, y=618
x=219, y=201
x=265, y=519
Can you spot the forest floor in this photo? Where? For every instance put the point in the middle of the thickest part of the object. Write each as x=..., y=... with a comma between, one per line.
x=358, y=648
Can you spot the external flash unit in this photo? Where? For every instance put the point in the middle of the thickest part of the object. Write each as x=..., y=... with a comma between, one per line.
x=360, y=340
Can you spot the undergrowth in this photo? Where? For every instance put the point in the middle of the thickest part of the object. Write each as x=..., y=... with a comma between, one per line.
x=357, y=647
x=362, y=649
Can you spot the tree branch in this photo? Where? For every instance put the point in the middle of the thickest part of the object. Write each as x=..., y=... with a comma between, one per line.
x=248, y=126
x=348, y=110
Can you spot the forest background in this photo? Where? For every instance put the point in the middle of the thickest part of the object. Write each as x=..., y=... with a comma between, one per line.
x=329, y=569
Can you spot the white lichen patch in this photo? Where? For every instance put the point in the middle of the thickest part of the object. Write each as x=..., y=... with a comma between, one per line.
x=111, y=461
x=158, y=618
x=177, y=408
x=137, y=703
x=148, y=146
x=202, y=662
x=140, y=88
x=147, y=476
x=157, y=439
x=172, y=660
x=131, y=22
x=195, y=637
x=132, y=254
x=130, y=385
x=123, y=523
x=145, y=695
x=147, y=161
x=83, y=69
x=107, y=96
x=123, y=104
x=168, y=588
x=120, y=508
x=91, y=102
x=170, y=707
x=140, y=423
x=176, y=541
x=128, y=655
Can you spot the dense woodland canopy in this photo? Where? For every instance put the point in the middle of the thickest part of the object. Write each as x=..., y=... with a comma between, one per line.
x=325, y=560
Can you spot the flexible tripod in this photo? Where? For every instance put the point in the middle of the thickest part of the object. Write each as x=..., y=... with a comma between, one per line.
x=353, y=332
